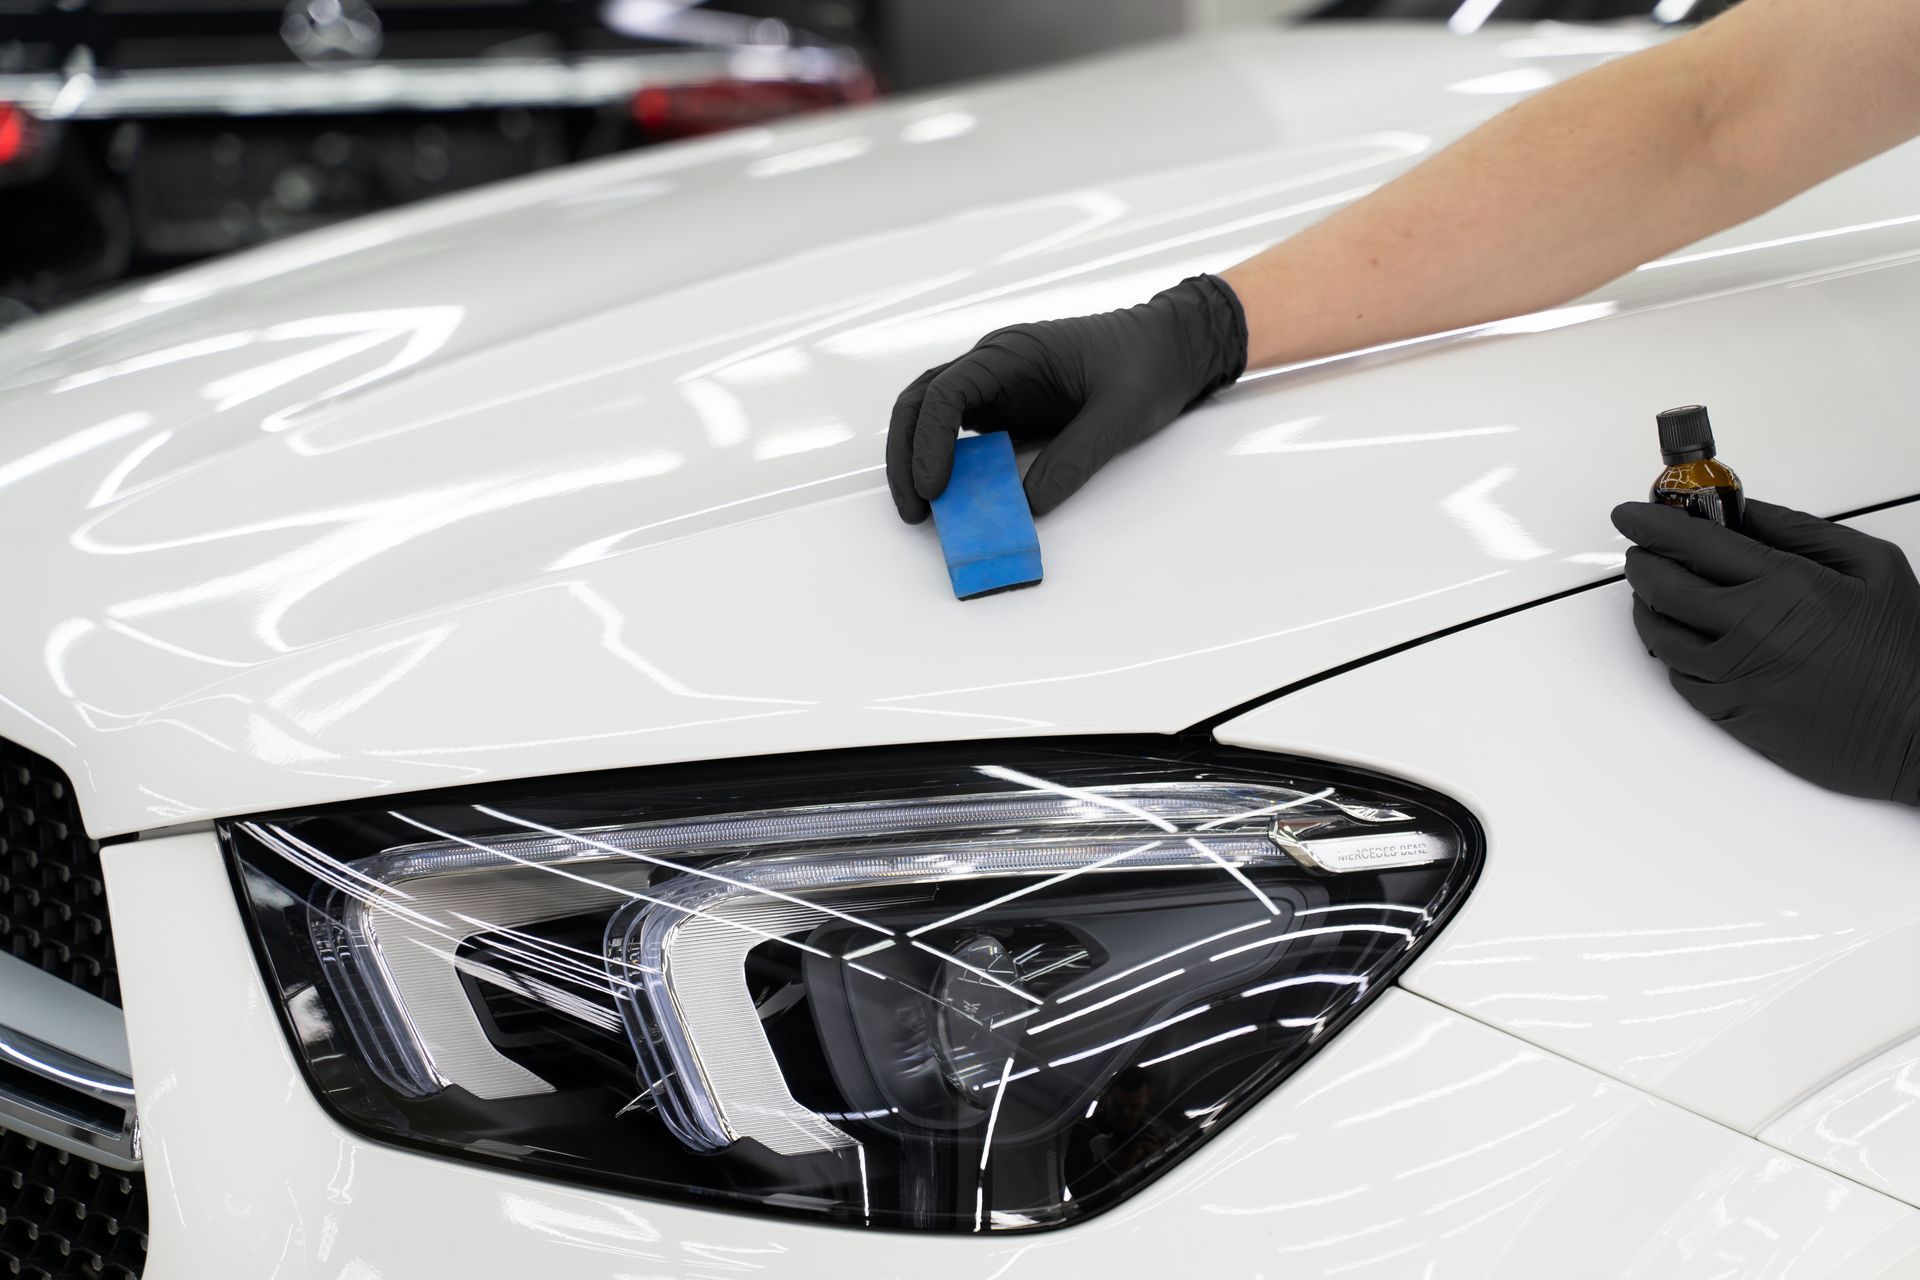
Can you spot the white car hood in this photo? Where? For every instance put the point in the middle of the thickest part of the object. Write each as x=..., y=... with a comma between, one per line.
x=583, y=472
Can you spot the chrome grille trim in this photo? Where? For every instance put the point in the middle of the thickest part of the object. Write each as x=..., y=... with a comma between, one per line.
x=60, y=1098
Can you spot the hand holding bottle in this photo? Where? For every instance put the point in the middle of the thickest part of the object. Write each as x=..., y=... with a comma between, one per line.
x=1695, y=480
x=1801, y=638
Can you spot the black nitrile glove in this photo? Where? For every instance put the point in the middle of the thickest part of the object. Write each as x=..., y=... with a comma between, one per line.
x=1096, y=383
x=1801, y=638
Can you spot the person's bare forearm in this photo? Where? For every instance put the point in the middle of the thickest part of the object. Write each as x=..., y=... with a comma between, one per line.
x=1580, y=184
x=1556, y=197
x=1537, y=206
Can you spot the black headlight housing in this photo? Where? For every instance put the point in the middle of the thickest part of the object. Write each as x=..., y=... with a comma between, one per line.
x=982, y=988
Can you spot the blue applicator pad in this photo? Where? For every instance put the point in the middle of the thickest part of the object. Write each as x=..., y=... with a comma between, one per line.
x=986, y=530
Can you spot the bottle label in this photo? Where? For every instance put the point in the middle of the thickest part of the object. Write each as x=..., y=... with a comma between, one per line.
x=1725, y=507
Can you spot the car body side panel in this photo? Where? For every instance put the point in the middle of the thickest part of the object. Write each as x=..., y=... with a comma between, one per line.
x=298, y=539
x=1418, y=1143
x=1658, y=901
x=1865, y=1125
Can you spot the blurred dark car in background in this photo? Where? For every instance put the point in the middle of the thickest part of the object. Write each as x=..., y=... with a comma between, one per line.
x=137, y=135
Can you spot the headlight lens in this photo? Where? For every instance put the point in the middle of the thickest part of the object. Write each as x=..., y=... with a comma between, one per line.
x=958, y=990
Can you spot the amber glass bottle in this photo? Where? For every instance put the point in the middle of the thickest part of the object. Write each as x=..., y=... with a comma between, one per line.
x=1695, y=481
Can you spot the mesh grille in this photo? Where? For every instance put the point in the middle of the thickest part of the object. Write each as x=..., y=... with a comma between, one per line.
x=66, y=1218
x=53, y=903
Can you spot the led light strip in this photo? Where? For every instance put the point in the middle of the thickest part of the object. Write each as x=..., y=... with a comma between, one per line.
x=393, y=925
x=391, y=932
x=691, y=1018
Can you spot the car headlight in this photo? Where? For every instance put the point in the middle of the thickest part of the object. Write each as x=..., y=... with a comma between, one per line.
x=958, y=989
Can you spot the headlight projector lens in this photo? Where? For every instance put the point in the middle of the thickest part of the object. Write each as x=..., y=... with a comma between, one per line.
x=975, y=997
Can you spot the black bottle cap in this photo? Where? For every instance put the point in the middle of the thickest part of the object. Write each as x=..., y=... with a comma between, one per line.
x=1685, y=434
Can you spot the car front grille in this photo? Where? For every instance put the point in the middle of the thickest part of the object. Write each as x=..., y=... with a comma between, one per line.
x=53, y=902
x=66, y=1218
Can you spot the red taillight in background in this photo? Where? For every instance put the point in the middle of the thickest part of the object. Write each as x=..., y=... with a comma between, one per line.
x=16, y=135
x=710, y=106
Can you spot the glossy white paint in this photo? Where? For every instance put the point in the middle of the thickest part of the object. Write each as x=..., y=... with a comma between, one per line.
x=1865, y=1124
x=1417, y=1144
x=1658, y=902
x=582, y=472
